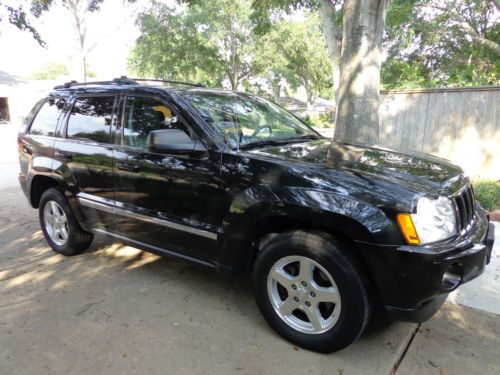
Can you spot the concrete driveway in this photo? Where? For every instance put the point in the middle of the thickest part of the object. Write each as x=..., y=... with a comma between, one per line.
x=115, y=309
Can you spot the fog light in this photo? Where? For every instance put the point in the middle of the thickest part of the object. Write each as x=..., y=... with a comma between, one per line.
x=452, y=276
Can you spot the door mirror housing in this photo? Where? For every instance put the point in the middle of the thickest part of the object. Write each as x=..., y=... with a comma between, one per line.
x=173, y=141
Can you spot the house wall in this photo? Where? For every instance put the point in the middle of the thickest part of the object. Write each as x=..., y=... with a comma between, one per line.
x=22, y=97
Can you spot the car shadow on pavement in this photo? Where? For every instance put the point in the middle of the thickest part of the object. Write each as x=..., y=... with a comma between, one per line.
x=116, y=300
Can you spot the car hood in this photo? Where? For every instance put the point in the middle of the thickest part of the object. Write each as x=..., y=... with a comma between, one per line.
x=416, y=171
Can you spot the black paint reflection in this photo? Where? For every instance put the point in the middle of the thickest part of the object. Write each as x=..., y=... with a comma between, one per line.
x=90, y=119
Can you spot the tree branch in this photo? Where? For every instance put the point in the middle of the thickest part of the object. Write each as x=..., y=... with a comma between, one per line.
x=468, y=28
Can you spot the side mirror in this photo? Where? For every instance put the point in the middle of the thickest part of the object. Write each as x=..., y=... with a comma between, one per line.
x=173, y=141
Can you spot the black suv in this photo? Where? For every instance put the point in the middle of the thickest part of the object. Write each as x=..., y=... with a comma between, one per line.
x=236, y=183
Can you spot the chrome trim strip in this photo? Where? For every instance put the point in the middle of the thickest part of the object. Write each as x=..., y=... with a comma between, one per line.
x=149, y=219
x=96, y=205
x=155, y=249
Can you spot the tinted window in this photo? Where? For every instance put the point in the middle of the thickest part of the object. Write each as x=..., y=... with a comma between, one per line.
x=45, y=122
x=142, y=115
x=245, y=119
x=90, y=119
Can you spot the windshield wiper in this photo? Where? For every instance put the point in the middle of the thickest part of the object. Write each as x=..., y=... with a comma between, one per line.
x=268, y=142
x=276, y=142
x=308, y=136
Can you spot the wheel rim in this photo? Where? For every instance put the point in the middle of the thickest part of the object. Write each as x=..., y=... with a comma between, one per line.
x=304, y=294
x=56, y=223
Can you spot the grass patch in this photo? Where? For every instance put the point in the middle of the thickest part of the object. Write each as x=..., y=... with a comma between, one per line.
x=487, y=193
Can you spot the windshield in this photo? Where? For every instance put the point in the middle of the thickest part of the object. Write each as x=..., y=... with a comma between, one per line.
x=245, y=120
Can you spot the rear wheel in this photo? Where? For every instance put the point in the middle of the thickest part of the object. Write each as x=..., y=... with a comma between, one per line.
x=59, y=225
x=311, y=291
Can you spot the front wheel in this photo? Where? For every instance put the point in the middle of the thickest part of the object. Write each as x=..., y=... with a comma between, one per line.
x=59, y=225
x=312, y=291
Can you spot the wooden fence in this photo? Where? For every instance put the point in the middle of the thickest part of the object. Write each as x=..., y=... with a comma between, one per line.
x=462, y=125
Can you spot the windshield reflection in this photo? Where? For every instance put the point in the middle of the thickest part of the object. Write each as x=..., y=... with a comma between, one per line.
x=243, y=120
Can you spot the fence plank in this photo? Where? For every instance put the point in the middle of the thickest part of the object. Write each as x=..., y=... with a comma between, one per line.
x=462, y=125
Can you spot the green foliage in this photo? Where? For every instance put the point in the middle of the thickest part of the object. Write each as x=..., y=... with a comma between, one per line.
x=295, y=52
x=433, y=43
x=25, y=12
x=205, y=42
x=323, y=120
x=264, y=11
x=50, y=71
x=214, y=41
x=487, y=192
x=22, y=15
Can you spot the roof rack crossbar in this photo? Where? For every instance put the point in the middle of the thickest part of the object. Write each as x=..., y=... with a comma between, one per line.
x=124, y=80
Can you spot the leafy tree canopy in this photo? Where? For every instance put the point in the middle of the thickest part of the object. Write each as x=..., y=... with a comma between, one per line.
x=295, y=52
x=50, y=71
x=206, y=41
x=434, y=43
x=21, y=14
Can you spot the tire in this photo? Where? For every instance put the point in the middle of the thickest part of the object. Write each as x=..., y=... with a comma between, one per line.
x=349, y=305
x=66, y=236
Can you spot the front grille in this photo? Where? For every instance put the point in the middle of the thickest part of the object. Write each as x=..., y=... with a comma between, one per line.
x=465, y=206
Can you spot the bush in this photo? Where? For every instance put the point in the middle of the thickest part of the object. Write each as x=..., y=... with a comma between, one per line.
x=487, y=193
x=322, y=120
x=50, y=71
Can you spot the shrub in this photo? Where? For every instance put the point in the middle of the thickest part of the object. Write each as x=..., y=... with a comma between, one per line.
x=322, y=120
x=487, y=193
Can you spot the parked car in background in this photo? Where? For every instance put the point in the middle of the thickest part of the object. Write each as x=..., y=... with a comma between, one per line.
x=234, y=182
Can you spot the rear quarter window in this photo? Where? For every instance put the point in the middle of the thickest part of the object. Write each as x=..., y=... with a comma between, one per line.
x=45, y=121
x=90, y=119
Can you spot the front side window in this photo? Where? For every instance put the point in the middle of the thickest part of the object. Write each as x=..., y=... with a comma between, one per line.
x=45, y=122
x=243, y=120
x=90, y=119
x=143, y=115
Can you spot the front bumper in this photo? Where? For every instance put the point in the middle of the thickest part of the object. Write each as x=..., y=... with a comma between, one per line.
x=414, y=281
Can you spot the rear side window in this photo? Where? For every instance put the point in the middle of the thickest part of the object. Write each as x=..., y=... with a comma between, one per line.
x=90, y=119
x=45, y=122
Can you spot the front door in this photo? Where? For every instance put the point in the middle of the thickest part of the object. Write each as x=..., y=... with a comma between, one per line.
x=168, y=201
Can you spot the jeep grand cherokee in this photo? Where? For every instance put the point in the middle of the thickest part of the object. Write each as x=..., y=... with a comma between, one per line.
x=234, y=182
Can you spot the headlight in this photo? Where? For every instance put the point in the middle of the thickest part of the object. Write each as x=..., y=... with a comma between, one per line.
x=434, y=221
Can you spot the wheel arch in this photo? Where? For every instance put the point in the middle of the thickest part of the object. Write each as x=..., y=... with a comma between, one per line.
x=39, y=184
x=260, y=222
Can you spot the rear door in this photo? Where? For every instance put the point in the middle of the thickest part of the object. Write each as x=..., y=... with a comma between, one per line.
x=85, y=156
x=36, y=145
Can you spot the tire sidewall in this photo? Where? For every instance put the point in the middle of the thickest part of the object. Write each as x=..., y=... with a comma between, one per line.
x=352, y=289
x=55, y=195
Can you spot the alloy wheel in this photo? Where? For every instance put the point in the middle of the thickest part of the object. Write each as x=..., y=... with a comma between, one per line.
x=56, y=223
x=304, y=294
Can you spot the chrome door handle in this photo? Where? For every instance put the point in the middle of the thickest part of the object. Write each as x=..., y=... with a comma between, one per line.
x=129, y=167
x=63, y=155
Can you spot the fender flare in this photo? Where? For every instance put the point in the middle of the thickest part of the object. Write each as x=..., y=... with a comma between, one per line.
x=357, y=220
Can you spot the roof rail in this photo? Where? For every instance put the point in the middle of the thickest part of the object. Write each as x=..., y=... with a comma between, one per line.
x=124, y=80
x=168, y=81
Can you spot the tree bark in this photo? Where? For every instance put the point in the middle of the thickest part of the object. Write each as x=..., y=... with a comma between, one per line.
x=358, y=102
x=333, y=36
x=78, y=10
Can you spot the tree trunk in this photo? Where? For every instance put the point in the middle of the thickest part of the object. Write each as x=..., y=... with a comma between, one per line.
x=310, y=100
x=359, y=97
x=332, y=32
x=78, y=10
x=276, y=89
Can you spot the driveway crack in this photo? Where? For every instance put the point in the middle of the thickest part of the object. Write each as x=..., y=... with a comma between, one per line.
x=405, y=350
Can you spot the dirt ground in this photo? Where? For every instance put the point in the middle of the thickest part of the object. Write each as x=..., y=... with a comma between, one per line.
x=115, y=309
